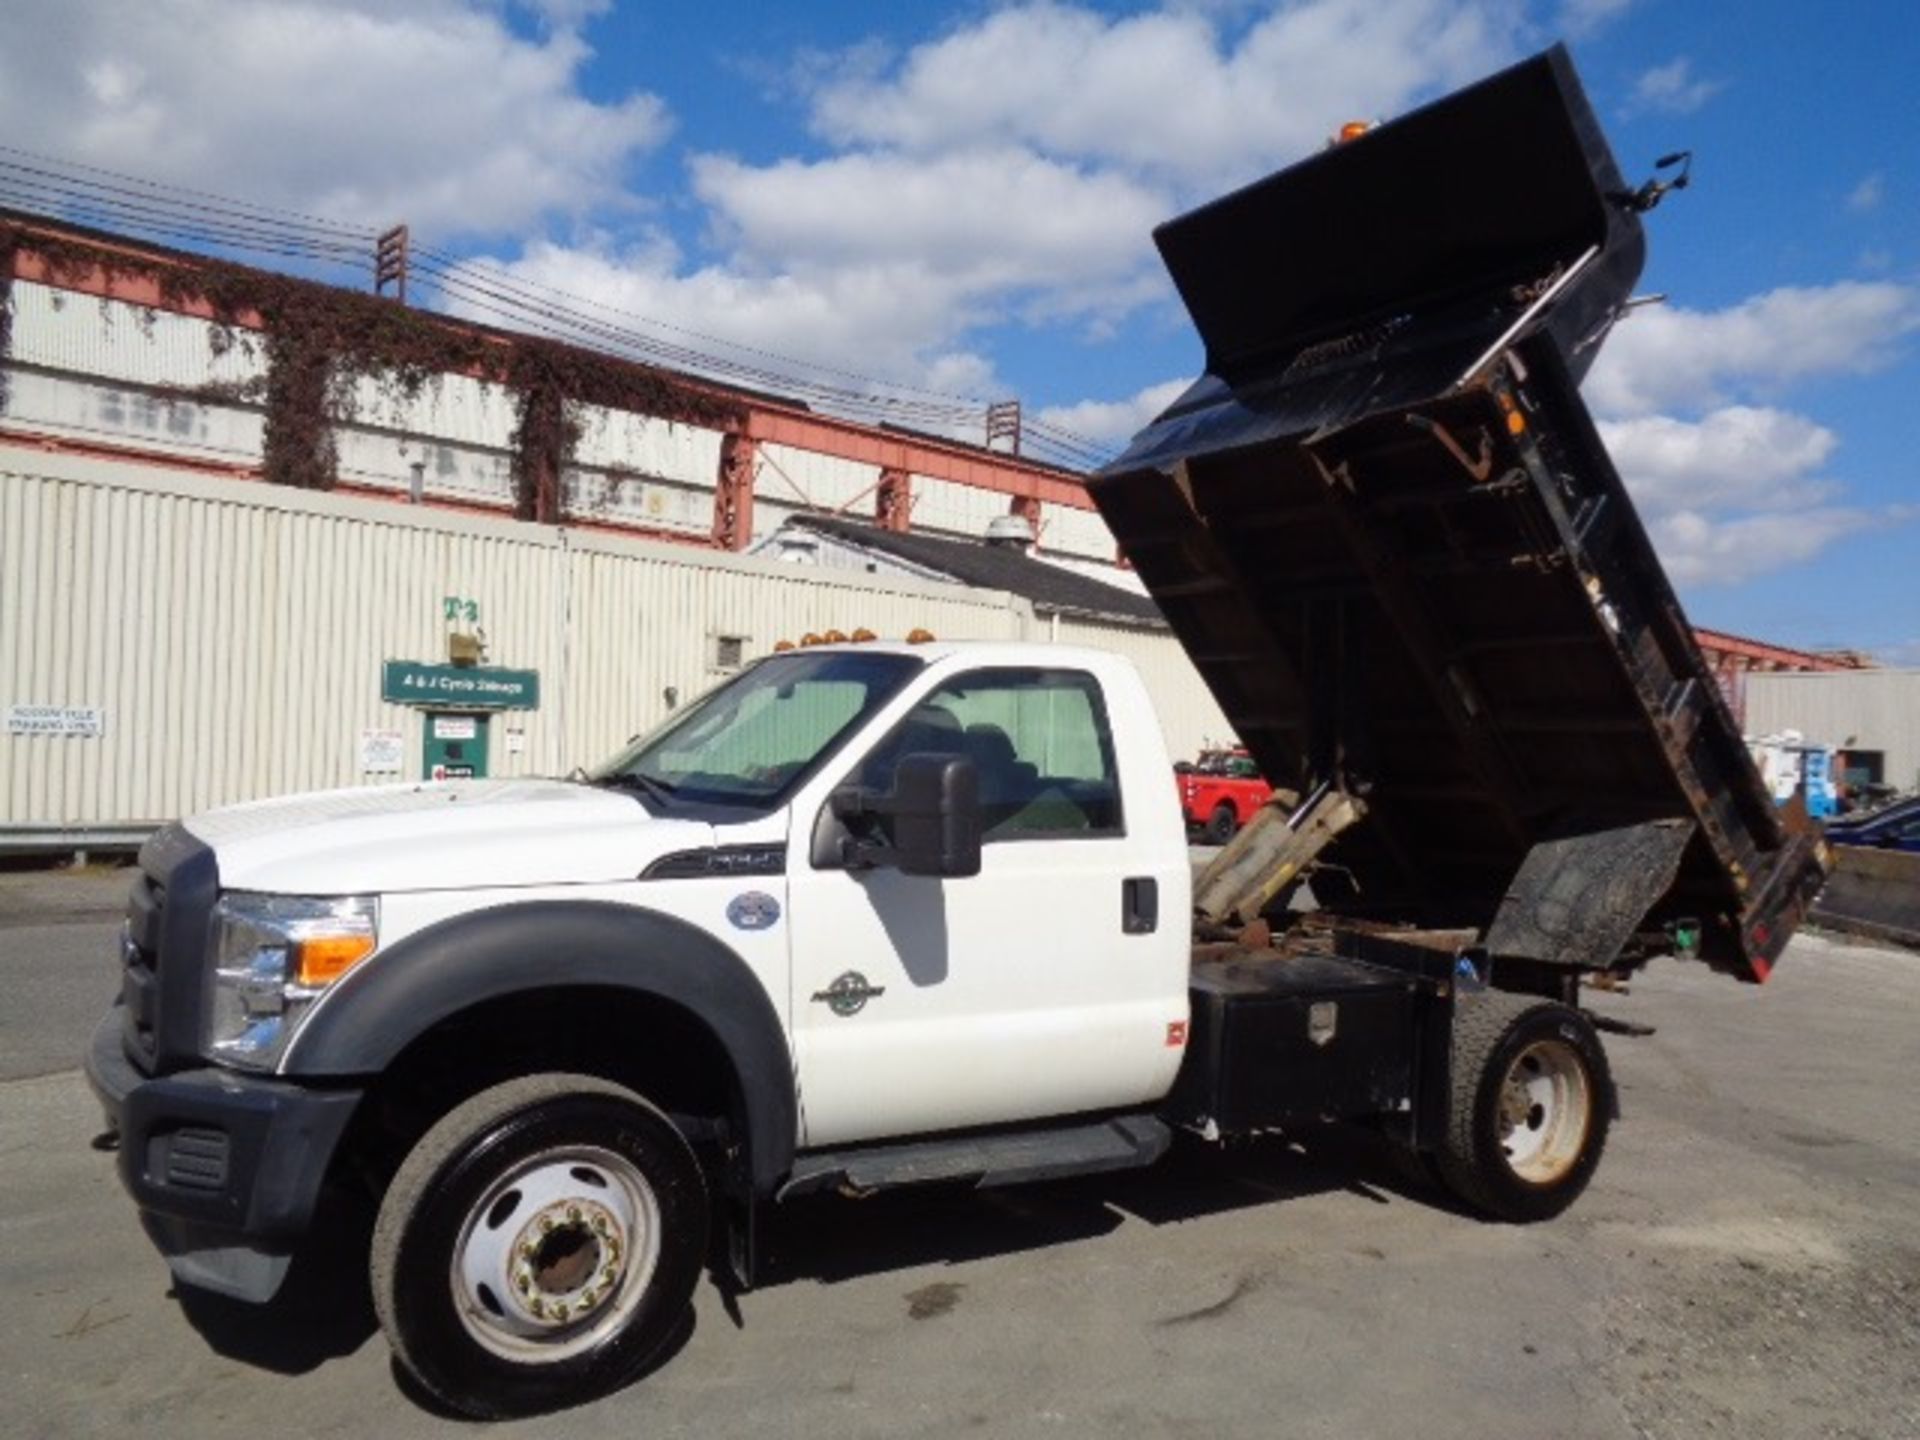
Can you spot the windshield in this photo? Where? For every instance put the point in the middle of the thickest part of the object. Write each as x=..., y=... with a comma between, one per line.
x=750, y=741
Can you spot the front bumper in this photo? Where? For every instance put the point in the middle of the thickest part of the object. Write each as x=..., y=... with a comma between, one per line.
x=226, y=1168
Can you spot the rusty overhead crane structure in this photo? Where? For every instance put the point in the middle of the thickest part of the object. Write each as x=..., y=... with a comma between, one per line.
x=41, y=250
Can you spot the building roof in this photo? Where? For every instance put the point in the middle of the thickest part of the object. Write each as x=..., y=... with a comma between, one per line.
x=991, y=567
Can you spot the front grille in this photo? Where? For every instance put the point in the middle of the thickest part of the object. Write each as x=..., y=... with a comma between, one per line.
x=140, y=977
x=163, y=950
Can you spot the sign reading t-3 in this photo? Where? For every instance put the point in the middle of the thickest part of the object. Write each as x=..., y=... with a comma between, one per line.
x=461, y=687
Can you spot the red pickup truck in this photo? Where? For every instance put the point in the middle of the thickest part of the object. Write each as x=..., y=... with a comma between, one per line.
x=1220, y=792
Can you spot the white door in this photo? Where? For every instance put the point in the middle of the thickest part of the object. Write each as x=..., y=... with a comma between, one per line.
x=924, y=1004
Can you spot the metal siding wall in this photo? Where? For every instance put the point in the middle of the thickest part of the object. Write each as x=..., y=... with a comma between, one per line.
x=234, y=640
x=68, y=331
x=1880, y=708
x=234, y=633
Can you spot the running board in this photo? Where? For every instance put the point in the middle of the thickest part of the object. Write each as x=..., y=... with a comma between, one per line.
x=1009, y=1158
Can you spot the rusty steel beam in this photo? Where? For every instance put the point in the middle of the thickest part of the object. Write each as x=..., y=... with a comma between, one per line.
x=920, y=455
x=893, y=501
x=733, y=492
x=1741, y=653
x=134, y=288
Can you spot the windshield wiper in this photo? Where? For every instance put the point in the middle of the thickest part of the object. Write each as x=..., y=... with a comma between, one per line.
x=639, y=780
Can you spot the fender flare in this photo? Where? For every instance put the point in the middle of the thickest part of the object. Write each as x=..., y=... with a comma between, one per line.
x=428, y=977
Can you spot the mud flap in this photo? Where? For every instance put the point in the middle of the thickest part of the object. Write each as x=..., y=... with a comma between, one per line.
x=1577, y=899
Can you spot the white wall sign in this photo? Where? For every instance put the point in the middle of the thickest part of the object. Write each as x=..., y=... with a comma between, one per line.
x=455, y=727
x=87, y=721
x=381, y=751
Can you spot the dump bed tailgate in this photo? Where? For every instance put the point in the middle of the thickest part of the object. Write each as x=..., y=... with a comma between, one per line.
x=1388, y=535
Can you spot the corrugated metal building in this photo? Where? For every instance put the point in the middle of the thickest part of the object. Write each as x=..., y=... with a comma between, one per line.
x=171, y=641
x=1863, y=712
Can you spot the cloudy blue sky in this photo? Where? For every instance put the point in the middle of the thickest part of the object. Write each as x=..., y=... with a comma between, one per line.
x=958, y=198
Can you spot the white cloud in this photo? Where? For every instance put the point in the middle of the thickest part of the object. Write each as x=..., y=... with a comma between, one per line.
x=1671, y=89
x=1739, y=456
x=1867, y=195
x=1729, y=489
x=896, y=321
x=1698, y=549
x=1164, y=91
x=1113, y=422
x=1736, y=493
x=429, y=111
x=568, y=13
x=1581, y=18
x=990, y=219
x=1663, y=357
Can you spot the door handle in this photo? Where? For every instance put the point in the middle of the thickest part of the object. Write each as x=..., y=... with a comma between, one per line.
x=1139, y=905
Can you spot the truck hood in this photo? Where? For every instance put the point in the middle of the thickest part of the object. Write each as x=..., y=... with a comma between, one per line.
x=460, y=834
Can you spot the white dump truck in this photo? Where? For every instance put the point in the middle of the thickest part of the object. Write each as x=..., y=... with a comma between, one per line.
x=877, y=915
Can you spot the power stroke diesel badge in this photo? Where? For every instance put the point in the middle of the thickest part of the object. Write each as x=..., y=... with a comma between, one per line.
x=849, y=993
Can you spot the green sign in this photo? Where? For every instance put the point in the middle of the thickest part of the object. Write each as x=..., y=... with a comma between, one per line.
x=459, y=687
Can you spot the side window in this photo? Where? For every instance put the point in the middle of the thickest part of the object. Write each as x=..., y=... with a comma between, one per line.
x=1039, y=742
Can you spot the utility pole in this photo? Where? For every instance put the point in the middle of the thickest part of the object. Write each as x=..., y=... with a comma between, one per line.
x=1003, y=423
x=390, y=262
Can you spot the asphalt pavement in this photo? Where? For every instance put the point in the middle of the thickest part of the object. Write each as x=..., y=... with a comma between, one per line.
x=1745, y=1264
x=59, y=963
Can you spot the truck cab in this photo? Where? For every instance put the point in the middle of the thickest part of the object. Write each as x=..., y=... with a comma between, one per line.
x=858, y=893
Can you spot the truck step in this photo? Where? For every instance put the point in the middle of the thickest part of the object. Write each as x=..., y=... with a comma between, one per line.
x=1017, y=1157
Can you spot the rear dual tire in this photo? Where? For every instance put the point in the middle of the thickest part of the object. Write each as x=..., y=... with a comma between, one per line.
x=539, y=1246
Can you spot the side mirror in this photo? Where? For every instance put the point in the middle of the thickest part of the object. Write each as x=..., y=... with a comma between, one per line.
x=936, y=815
x=934, y=808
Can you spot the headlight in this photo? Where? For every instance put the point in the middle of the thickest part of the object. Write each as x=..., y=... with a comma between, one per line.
x=273, y=956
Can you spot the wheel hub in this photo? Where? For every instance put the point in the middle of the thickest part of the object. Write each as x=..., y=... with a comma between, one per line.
x=554, y=1254
x=1545, y=1111
x=566, y=1259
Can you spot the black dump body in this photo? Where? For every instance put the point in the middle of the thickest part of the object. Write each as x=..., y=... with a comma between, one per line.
x=1385, y=530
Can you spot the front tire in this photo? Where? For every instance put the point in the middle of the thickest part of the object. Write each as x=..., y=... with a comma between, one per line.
x=1531, y=1104
x=539, y=1246
x=1221, y=824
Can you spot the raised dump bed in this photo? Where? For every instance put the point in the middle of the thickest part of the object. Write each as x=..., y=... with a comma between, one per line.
x=1384, y=528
